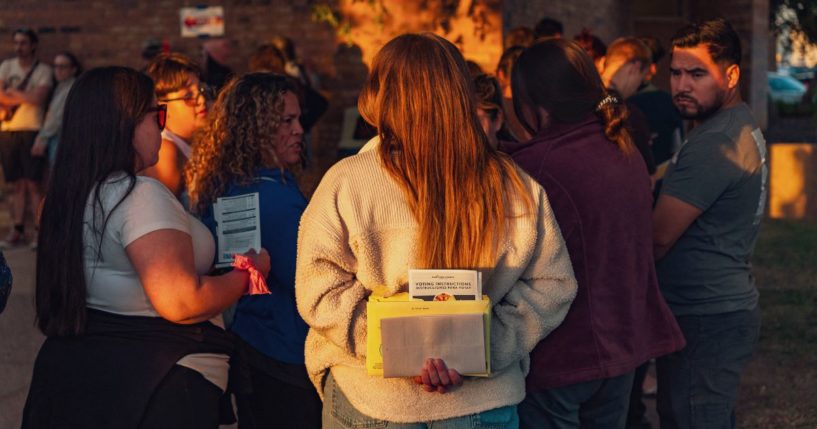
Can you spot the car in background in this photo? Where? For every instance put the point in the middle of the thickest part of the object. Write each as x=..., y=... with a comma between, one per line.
x=785, y=89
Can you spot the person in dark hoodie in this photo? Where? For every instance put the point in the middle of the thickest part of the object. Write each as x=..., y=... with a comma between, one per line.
x=583, y=156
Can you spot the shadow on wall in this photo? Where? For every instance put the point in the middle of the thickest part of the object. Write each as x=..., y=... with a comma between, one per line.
x=343, y=88
x=793, y=181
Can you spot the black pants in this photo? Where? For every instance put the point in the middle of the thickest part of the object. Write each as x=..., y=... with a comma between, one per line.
x=183, y=400
x=276, y=404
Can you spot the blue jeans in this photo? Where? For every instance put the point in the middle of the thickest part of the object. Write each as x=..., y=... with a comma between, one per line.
x=598, y=404
x=698, y=385
x=338, y=413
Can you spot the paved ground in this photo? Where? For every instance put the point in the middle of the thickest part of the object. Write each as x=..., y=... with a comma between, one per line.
x=19, y=339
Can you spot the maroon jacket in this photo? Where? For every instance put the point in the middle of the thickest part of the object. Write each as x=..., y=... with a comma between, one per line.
x=603, y=204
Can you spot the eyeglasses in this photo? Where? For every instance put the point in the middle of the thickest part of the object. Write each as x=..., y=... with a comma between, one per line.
x=192, y=99
x=161, y=115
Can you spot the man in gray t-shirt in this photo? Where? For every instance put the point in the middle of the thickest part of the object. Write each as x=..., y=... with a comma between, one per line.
x=705, y=226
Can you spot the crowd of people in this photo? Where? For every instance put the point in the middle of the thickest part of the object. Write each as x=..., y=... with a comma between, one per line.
x=609, y=233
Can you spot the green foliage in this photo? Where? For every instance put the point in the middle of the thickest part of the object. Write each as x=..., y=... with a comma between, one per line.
x=797, y=15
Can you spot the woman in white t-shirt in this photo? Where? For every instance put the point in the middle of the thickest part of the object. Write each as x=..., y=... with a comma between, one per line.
x=135, y=337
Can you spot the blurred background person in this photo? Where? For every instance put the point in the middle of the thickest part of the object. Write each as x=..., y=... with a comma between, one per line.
x=66, y=69
x=519, y=36
x=216, y=71
x=593, y=46
x=133, y=324
x=249, y=147
x=548, y=27
x=25, y=83
x=584, y=157
x=489, y=107
x=178, y=85
x=515, y=131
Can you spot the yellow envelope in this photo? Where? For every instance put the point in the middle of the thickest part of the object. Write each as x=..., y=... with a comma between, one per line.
x=399, y=305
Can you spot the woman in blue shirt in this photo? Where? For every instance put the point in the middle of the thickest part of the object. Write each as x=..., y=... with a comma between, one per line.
x=253, y=138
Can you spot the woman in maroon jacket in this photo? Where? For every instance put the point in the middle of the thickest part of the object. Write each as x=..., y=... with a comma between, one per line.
x=584, y=157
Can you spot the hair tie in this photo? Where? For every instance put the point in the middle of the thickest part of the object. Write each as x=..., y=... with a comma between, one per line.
x=258, y=286
x=609, y=99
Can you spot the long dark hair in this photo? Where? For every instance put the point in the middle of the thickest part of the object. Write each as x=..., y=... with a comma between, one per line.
x=101, y=113
x=558, y=76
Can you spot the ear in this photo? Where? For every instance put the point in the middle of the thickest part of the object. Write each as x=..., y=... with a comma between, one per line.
x=732, y=76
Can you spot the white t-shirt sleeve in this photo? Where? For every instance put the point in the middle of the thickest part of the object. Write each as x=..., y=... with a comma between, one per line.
x=150, y=207
x=41, y=77
x=5, y=69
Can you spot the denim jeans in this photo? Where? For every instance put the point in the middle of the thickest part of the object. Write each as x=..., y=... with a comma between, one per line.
x=698, y=385
x=338, y=413
x=598, y=404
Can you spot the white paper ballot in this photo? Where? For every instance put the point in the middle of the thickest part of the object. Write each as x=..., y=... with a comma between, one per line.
x=238, y=227
x=458, y=339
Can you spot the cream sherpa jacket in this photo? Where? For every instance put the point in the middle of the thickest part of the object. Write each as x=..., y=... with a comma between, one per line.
x=358, y=234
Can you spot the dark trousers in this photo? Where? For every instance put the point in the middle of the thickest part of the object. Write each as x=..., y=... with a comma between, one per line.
x=277, y=404
x=594, y=404
x=698, y=385
x=183, y=400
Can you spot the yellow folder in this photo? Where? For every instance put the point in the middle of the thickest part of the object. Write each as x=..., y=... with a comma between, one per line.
x=399, y=305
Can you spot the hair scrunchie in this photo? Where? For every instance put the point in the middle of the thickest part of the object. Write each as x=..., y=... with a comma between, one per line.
x=609, y=99
x=258, y=286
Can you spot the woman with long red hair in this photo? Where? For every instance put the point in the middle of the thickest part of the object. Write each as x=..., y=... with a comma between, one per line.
x=428, y=192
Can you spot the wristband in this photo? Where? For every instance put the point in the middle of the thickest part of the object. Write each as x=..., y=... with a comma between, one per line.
x=258, y=286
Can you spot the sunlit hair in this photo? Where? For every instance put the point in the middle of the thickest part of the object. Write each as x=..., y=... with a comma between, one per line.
x=267, y=58
x=627, y=49
x=420, y=98
x=558, y=76
x=102, y=111
x=489, y=96
x=718, y=35
x=239, y=137
x=171, y=72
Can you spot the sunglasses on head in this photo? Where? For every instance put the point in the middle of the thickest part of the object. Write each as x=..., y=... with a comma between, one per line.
x=161, y=115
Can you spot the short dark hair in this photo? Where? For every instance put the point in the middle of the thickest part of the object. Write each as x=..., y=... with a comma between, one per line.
x=656, y=49
x=548, y=27
x=170, y=72
x=267, y=58
x=718, y=34
x=32, y=36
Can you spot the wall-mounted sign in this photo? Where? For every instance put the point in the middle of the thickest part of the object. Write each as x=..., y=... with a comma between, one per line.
x=202, y=21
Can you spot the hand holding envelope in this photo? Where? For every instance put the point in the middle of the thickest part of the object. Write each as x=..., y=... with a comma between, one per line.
x=435, y=376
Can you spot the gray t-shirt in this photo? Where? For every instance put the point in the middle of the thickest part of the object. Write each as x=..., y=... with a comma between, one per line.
x=722, y=170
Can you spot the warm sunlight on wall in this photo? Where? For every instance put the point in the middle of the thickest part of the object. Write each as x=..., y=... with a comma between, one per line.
x=793, y=183
x=475, y=26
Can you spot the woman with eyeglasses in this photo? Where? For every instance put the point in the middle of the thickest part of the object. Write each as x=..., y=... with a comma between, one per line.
x=178, y=84
x=66, y=69
x=250, y=146
x=134, y=336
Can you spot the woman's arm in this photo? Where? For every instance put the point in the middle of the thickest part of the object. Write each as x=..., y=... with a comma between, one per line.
x=330, y=298
x=163, y=259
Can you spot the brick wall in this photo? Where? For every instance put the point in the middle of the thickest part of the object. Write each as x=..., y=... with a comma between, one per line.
x=108, y=32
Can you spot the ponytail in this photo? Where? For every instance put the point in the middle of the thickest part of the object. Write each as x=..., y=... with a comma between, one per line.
x=615, y=114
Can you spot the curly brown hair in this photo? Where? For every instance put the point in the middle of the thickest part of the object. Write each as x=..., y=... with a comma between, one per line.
x=239, y=137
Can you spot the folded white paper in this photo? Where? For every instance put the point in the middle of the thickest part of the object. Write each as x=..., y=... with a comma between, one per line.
x=458, y=339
